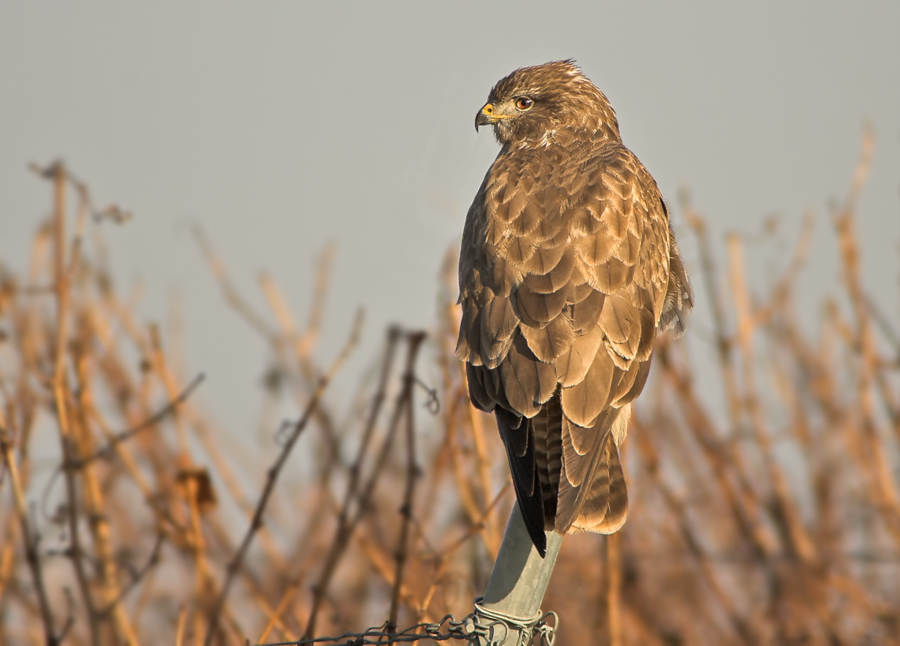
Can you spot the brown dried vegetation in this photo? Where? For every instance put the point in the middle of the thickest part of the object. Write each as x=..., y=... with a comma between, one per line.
x=127, y=516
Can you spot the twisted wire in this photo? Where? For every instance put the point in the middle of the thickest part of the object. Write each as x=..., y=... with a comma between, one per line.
x=490, y=626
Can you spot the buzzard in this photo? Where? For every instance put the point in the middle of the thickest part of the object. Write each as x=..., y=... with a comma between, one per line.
x=567, y=271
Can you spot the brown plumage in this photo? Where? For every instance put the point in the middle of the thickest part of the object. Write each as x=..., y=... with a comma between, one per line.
x=568, y=269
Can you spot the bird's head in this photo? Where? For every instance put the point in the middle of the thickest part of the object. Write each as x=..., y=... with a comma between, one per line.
x=530, y=103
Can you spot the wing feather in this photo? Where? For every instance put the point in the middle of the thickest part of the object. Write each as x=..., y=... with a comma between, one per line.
x=621, y=322
x=550, y=342
x=572, y=366
x=544, y=259
x=540, y=308
x=498, y=321
x=586, y=313
x=585, y=400
x=554, y=279
x=527, y=382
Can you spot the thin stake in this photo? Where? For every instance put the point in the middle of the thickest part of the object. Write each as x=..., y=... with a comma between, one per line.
x=409, y=382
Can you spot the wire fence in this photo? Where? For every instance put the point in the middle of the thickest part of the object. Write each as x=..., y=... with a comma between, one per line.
x=481, y=626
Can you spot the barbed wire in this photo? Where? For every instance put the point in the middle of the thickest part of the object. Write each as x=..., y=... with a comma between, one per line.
x=489, y=626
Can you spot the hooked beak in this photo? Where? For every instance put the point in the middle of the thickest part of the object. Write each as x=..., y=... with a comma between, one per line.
x=486, y=116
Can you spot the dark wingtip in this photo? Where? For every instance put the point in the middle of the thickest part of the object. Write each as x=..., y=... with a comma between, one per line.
x=534, y=525
x=533, y=514
x=519, y=444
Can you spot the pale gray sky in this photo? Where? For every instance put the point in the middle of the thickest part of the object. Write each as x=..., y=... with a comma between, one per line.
x=282, y=126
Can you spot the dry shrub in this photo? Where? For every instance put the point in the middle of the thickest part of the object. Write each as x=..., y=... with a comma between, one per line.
x=127, y=516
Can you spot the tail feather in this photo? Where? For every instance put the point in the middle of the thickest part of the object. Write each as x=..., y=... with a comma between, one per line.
x=606, y=505
x=578, y=475
x=548, y=456
x=561, y=486
x=595, y=499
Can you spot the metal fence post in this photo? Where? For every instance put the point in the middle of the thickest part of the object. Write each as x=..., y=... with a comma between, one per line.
x=520, y=576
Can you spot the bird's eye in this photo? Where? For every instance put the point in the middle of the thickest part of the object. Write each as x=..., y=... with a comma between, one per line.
x=523, y=103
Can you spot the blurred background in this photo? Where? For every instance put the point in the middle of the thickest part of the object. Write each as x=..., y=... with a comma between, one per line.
x=282, y=127
x=285, y=164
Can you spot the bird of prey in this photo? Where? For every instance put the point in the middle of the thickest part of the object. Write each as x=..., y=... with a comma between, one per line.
x=568, y=270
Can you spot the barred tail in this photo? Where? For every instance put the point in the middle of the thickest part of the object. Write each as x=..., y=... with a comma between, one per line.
x=548, y=456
